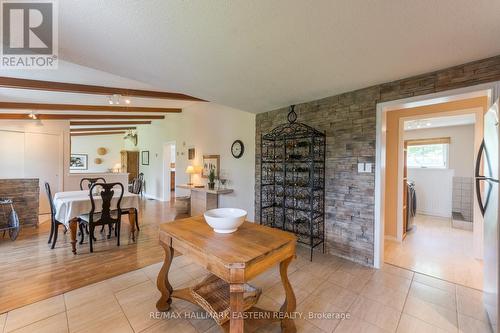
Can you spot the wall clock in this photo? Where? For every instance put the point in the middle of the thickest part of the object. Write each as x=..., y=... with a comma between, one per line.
x=237, y=148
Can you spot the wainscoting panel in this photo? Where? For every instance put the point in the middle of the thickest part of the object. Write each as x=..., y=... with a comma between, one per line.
x=434, y=189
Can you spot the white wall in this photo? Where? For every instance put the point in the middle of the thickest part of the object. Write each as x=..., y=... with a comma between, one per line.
x=211, y=129
x=434, y=186
x=461, y=149
x=89, y=145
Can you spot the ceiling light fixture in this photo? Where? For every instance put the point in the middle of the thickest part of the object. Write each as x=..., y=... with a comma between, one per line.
x=32, y=115
x=116, y=98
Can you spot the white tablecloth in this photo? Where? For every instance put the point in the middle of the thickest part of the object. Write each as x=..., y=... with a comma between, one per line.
x=72, y=204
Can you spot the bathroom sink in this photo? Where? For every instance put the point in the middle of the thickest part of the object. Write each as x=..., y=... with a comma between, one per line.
x=225, y=220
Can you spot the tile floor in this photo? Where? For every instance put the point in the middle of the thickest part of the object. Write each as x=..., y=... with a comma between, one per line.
x=387, y=300
x=436, y=249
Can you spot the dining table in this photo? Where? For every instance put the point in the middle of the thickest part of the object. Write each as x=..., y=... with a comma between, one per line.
x=70, y=205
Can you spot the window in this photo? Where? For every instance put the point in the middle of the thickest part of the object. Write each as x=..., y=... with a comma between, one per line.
x=432, y=153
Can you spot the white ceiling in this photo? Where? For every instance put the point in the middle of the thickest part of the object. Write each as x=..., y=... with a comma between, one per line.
x=465, y=119
x=259, y=55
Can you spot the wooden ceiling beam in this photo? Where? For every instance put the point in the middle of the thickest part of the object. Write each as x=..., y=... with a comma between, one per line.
x=43, y=116
x=78, y=107
x=95, y=129
x=96, y=133
x=16, y=83
x=97, y=123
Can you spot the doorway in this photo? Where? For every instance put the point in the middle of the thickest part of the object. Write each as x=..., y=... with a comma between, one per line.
x=169, y=170
x=438, y=196
x=391, y=117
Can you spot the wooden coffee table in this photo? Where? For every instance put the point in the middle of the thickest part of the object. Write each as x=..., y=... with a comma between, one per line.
x=235, y=258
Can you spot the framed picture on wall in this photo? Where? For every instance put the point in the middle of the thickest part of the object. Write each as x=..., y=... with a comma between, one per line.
x=191, y=153
x=210, y=162
x=145, y=157
x=78, y=162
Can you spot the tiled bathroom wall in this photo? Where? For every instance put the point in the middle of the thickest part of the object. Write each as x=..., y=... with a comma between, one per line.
x=463, y=197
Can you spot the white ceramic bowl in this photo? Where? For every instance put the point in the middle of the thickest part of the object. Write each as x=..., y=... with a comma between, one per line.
x=225, y=220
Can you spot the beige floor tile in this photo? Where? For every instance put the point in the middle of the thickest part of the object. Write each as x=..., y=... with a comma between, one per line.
x=54, y=324
x=181, y=261
x=265, y=281
x=312, y=308
x=435, y=248
x=194, y=270
x=348, y=281
x=178, y=277
x=198, y=318
x=431, y=313
x=391, y=281
x=3, y=318
x=409, y=324
x=434, y=295
x=434, y=282
x=267, y=303
x=357, y=326
x=321, y=270
x=34, y=312
x=468, y=324
x=277, y=293
x=89, y=294
x=138, y=302
x=394, y=270
x=171, y=326
x=356, y=270
x=102, y=315
x=127, y=280
x=303, y=326
x=384, y=295
x=329, y=293
x=375, y=313
x=297, y=263
x=302, y=279
x=470, y=303
x=152, y=271
x=271, y=328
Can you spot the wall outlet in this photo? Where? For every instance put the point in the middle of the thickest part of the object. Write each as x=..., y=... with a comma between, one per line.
x=361, y=167
x=368, y=167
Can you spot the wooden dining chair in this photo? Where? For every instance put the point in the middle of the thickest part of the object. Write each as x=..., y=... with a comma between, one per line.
x=90, y=182
x=102, y=216
x=54, y=224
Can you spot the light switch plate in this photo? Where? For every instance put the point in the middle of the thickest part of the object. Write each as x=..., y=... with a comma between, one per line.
x=368, y=167
x=361, y=167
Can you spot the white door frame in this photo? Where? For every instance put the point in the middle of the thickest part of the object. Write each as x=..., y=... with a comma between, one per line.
x=166, y=193
x=493, y=91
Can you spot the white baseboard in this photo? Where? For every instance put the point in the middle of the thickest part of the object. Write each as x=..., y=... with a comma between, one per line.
x=391, y=238
x=149, y=196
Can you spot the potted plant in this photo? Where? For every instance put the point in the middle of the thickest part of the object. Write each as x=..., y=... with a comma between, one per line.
x=211, y=179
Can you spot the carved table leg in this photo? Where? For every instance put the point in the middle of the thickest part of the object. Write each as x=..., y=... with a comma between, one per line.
x=287, y=325
x=73, y=225
x=236, y=320
x=162, y=282
x=131, y=219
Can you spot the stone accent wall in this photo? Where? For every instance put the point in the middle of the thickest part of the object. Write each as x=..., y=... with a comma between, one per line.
x=349, y=121
x=25, y=195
